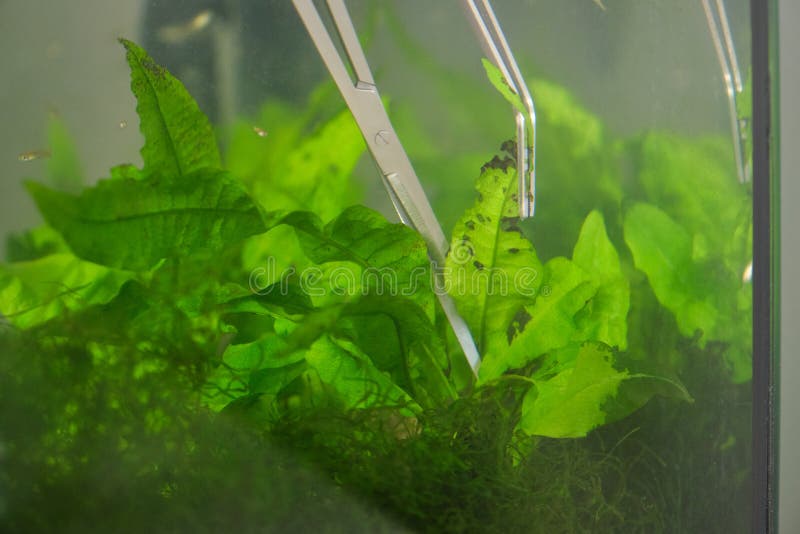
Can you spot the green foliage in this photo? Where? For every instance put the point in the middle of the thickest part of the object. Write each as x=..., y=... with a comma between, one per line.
x=501, y=84
x=522, y=312
x=161, y=217
x=299, y=163
x=690, y=287
x=491, y=269
x=693, y=240
x=33, y=292
x=570, y=403
x=606, y=317
x=178, y=137
x=63, y=166
x=576, y=169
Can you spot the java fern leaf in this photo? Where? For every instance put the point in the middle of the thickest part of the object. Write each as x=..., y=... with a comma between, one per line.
x=501, y=84
x=694, y=182
x=132, y=224
x=334, y=343
x=492, y=270
x=178, y=136
x=583, y=299
x=291, y=169
x=387, y=311
x=605, y=318
x=586, y=387
x=697, y=290
x=547, y=324
x=382, y=258
x=34, y=292
x=330, y=373
x=571, y=403
x=34, y=244
x=63, y=166
x=406, y=345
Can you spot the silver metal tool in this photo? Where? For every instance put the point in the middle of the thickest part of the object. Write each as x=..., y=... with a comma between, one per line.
x=361, y=95
x=719, y=28
x=494, y=44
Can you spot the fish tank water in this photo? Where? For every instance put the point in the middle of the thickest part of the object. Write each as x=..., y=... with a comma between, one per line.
x=212, y=318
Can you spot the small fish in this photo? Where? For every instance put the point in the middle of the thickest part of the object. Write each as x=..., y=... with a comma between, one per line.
x=177, y=33
x=259, y=131
x=600, y=4
x=31, y=155
x=123, y=125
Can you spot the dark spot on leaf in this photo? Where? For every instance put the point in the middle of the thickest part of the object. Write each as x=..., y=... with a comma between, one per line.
x=480, y=218
x=510, y=147
x=155, y=69
x=513, y=250
x=494, y=163
x=470, y=225
x=509, y=224
x=478, y=265
x=517, y=325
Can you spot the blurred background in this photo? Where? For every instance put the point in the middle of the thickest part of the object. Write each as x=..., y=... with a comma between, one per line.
x=62, y=58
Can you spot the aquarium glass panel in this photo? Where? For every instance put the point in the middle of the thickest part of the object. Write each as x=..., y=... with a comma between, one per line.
x=238, y=297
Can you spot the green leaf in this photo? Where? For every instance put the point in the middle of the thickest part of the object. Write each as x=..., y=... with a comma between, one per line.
x=575, y=154
x=694, y=182
x=383, y=258
x=341, y=365
x=133, y=224
x=606, y=316
x=492, y=270
x=126, y=171
x=272, y=380
x=585, y=392
x=34, y=244
x=570, y=404
x=63, y=166
x=280, y=299
x=405, y=345
x=704, y=297
x=33, y=292
x=548, y=324
x=287, y=170
x=662, y=249
x=265, y=366
x=178, y=136
x=394, y=335
x=501, y=84
x=137, y=314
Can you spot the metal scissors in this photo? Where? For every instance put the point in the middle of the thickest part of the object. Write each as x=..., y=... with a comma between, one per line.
x=362, y=97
